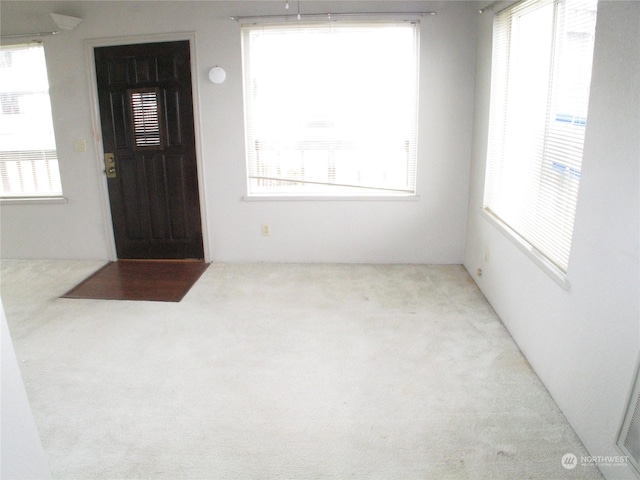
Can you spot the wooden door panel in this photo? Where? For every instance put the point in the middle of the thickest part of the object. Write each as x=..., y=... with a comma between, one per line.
x=136, y=70
x=151, y=191
x=172, y=110
x=166, y=68
x=131, y=197
x=175, y=171
x=119, y=71
x=157, y=194
x=118, y=108
x=147, y=123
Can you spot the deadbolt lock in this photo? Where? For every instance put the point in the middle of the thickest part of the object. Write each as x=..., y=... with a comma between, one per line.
x=110, y=165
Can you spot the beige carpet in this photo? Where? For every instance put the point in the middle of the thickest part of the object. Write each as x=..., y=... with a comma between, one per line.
x=283, y=372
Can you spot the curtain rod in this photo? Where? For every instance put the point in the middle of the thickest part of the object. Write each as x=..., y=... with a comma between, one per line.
x=330, y=16
x=490, y=6
x=21, y=35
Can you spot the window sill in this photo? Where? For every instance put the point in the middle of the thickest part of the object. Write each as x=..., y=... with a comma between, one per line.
x=33, y=200
x=552, y=271
x=333, y=198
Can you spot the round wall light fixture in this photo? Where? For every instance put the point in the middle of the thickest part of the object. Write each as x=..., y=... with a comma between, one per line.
x=217, y=75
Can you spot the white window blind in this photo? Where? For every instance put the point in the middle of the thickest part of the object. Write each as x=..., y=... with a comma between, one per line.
x=146, y=117
x=331, y=108
x=541, y=75
x=28, y=158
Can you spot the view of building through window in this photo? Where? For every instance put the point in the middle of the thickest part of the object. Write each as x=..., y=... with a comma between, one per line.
x=331, y=108
x=539, y=99
x=28, y=158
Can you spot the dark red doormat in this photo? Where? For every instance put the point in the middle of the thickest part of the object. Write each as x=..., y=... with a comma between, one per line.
x=150, y=280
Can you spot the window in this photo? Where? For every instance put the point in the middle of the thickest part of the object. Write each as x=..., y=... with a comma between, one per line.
x=146, y=111
x=539, y=96
x=331, y=109
x=28, y=158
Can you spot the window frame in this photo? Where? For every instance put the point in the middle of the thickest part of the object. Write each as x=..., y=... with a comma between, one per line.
x=553, y=265
x=335, y=191
x=54, y=193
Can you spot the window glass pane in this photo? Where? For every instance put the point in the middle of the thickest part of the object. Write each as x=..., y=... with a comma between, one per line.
x=146, y=118
x=28, y=158
x=331, y=108
x=540, y=90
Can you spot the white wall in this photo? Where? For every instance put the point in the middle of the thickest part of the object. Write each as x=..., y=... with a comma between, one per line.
x=583, y=343
x=21, y=453
x=430, y=230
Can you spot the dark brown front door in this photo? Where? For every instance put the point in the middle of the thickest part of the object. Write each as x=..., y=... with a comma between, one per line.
x=146, y=113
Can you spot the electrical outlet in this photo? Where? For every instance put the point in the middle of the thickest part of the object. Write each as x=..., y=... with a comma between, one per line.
x=266, y=229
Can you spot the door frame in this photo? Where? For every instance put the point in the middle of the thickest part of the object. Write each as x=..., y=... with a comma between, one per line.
x=96, y=125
